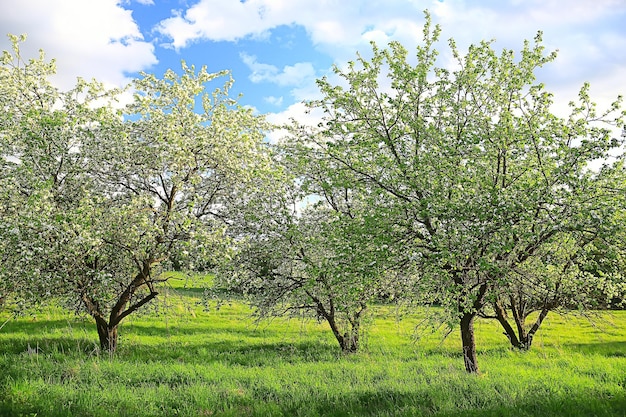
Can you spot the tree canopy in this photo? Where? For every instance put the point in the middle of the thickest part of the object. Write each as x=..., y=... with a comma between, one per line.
x=98, y=199
x=469, y=164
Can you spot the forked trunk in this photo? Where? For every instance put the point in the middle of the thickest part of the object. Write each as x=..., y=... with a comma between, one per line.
x=349, y=342
x=469, y=343
x=107, y=335
x=509, y=332
x=531, y=333
x=522, y=339
x=107, y=328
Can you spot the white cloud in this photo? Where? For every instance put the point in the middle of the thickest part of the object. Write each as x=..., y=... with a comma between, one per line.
x=590, y=35
x=215, y=20
x=91, y=39
x=296, y=74
x=276, y=101
x=301, y=76
x=259, y=72
x=330, y=23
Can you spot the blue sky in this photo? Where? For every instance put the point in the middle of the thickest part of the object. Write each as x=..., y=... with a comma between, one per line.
x=277, y=48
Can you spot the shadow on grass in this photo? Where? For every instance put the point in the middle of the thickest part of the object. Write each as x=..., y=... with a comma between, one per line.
x=191, y=328
x=193, y=292
x=431, y=401
x=37, y=326
x=608, y=349
x=180, y=344
x=38, y=336
x=194, y=344
x=49, y=345
x=239, y=353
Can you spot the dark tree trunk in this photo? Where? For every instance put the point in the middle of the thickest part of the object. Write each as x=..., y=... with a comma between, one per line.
x=522, y=339
x=508, y=330
x=348, y=341
x=107, y=329
x=467, y=326
x=107, y=335
x=531, y=333
x=350, y=338
x=520, y=312
x=469, y=343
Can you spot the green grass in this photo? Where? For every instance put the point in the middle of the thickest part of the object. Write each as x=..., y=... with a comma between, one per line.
x=181, y=360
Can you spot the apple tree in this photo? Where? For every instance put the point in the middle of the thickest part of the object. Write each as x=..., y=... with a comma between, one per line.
x=468, y=163
x=103, y=197
x=309, y=249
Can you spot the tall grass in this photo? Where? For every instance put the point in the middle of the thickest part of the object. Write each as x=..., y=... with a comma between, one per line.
x=180, y=360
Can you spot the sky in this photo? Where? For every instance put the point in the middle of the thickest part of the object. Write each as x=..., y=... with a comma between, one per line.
x=276, y=49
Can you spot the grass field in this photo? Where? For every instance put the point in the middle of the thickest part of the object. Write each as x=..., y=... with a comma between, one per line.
x=182, y=361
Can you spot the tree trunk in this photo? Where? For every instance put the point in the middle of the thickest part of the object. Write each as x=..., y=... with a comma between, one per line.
x=467, y=326
x=522, y=340
x=528, y=340
x=519, y=315
x=349, y=342
x=107, y=335
x=508, y=329
x=107, y=329
x=469, y=343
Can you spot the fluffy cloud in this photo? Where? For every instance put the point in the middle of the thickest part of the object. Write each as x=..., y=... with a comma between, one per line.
x=330, y=23
x=301, y=76
x=96, y=38
x=334, y=24
x=258, y=71
x=276, y=101
x=589, y=35
x=290, y=75
x=215, y=20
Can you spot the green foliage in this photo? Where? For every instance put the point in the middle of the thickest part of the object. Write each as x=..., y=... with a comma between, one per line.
x=322, y=260
x=97, y=200
x=44, y=173
x=468, y=169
